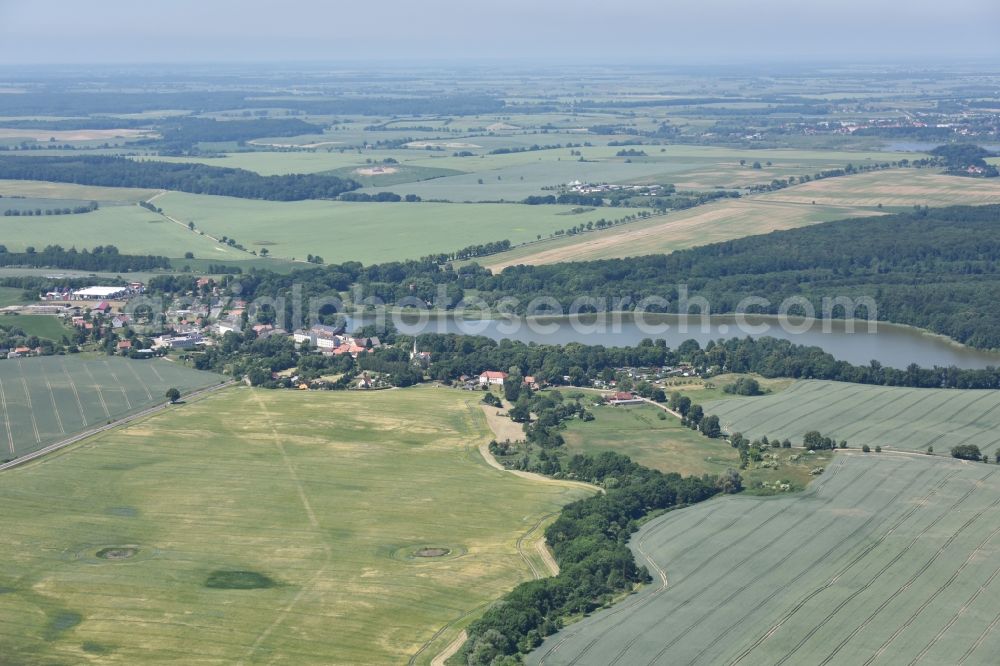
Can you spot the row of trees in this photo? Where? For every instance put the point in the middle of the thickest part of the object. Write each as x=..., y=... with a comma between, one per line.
x=100, y=258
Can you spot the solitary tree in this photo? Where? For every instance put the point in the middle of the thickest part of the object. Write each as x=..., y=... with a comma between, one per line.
x=173, y=395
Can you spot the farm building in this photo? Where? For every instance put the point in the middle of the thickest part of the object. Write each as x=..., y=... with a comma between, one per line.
x=492, y=378
x=623, y=398
x=101, y=293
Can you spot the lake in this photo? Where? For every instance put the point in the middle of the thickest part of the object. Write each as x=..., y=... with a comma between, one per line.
x=892, y=345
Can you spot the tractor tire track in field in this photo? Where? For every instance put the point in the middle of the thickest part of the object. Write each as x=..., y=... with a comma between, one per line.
x=6, y=419
x=909, y=582
x=751, y=581
x=121, y=387
x=794, y=551
x=640, y=546
x=97, y=388
x=55, y=409
x=27, y=398
x=881, y=427
x=868, y=549
x=51, y=448
x=927, y=602
x=855, y=532
x=850, y=394
x=639, y=602
x=979, y=641
x=954, y=618
x=840, y=606
x=313, y=523
x=142, y=384
x=72, y=385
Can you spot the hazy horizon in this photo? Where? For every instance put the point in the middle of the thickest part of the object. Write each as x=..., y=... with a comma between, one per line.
x=686, y=32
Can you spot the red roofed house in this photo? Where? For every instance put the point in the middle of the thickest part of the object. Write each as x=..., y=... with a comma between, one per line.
x=492, y=377
x=124, y=345
x=623, y=398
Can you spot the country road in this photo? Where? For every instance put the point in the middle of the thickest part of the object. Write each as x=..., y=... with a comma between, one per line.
x=61, y=444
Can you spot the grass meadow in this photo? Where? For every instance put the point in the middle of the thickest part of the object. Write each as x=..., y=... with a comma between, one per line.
x=269, y=527
x=884, y=559
x=44, y=326
x=639, y=433
x=906, y=419
x=48, y=398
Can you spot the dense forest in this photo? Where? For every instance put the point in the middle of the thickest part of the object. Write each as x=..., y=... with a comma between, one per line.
x=193, y=178
x=181, y=134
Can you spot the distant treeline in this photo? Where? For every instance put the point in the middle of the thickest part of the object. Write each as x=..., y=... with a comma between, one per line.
x=90, y=103
x=180, y=134
x=101, y=258
x=58, y=210
x=183, y=177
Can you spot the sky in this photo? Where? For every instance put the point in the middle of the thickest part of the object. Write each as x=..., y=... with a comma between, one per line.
x=563, y=31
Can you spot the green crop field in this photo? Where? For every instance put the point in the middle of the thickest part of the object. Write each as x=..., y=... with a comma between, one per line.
x=10, y=296
x=46, y=190
x=44, y=326
x=133, y=230
x=885, y=559
x=341, y=231
x=638, y=433
x=259, y=526
x=46, y=399
x=909, y=419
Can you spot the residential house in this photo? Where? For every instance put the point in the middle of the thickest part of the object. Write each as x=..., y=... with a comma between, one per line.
x=492, y=378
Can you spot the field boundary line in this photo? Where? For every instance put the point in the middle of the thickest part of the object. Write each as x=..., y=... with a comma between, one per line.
x=6, y=419
x=125, y=420
x=450, y=649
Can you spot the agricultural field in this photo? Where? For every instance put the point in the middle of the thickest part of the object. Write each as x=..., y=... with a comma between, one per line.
x=895, y=189
x=132, y=229
x=884, y=559
x=639, y=433
x=260, y=526
x=905, y=419
x=732, y=218
x=819, y=201
x=48, y=398
x=10, y=296
x=44, y=326
x=341, y=231
x=46, y=190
